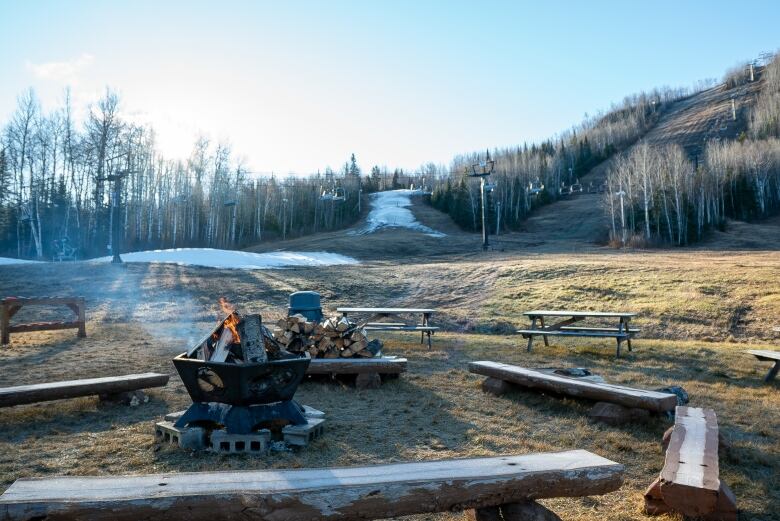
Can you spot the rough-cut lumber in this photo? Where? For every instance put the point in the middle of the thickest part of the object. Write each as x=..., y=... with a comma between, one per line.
x=626, y=396
x=335, y=494
x=22, y=394
x=384, y=365
x=689, y=482
x=559, y=313
x=390, y=311
x=689, y=479
x=768, y=356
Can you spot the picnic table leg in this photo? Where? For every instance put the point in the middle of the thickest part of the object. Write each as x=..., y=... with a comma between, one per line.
x=531, y=336
x=82, y=320
x=772, y=372
x=617, y=353
x=5, y=319
x=541, y=323
x=624, y=325
x=429, y=339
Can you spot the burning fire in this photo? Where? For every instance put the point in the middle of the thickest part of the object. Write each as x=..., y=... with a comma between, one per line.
x=232, y=320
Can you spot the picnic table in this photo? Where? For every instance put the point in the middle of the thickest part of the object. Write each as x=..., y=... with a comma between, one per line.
x=375, y=319
x=768, y=356
x=567, y=325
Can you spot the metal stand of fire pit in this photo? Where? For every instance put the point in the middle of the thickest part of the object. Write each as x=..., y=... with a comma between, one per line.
x=239, y=419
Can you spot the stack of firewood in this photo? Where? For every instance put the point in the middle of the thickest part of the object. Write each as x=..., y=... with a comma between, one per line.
x=332, y=338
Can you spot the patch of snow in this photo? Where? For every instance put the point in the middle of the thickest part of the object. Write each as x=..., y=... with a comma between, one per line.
x=231, y=259
x=5, y=261
x=389, y=209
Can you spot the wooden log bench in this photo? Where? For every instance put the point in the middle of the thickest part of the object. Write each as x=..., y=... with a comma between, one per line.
x=110, y=388
x=507, y=483
x=368, y=371
x=689, y=482
x=628, y=397
x=768, y=356
x=9, y=306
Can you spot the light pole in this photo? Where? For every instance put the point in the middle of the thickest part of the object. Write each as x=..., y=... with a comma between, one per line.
x=482, y=170
x=284, y=218
x=232, y=204
x=115, y=235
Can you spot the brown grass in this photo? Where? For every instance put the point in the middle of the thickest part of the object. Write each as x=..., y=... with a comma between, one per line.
x=141, y=316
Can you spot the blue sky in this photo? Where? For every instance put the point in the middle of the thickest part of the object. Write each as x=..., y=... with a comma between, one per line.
x=297, y=86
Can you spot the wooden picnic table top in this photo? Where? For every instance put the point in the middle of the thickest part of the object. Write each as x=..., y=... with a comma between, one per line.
x=762, y=353
x=559, y=313
x=385, y=310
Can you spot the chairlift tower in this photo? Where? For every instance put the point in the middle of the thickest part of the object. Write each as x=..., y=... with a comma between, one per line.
x=482, y=170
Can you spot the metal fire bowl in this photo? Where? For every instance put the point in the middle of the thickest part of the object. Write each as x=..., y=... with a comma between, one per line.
x=241, y=384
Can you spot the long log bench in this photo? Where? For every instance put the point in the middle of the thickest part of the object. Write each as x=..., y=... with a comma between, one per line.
x=689, y=482
x=508, y=483
x=109, y=387
x=11, y=305
x=368, y=371
x=625, y=396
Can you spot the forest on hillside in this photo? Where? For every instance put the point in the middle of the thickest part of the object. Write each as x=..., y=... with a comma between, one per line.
x=659, y=195
x=653, y=194
x=60, y=179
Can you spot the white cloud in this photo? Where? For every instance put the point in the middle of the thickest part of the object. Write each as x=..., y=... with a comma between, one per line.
x=66, y=71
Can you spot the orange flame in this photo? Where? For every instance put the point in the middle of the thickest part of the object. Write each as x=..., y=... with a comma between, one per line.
x=232, y=320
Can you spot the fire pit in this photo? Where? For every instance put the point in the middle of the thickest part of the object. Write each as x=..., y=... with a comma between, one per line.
x=242, y=382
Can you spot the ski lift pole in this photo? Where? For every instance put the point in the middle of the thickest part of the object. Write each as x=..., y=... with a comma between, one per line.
x=482, y=170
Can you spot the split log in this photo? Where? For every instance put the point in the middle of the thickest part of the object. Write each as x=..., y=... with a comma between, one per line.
x=689, y=482
x=338, y=494
x=252, y=341
x=221, y=349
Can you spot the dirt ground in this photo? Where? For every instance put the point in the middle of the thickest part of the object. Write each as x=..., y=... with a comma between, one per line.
x=698, y=310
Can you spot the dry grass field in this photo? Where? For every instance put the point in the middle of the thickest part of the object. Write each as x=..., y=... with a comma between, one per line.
x=698, y=309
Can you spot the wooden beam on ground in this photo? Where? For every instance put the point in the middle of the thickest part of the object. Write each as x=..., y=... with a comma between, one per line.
x=22, y=394
x=689, y=482
x=383, y=365
x=335, y=494
x=625, y=396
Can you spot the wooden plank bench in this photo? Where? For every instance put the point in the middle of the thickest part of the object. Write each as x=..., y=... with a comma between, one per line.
x=567, y=326
x=9, y=306
x=334, y=494
x=424, y=327
x=689, y=482
x=108, y=387
x=368, y=371
x=768, y=356
x=626, y=396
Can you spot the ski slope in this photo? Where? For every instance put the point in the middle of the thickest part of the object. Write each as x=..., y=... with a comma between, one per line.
x=390, y=209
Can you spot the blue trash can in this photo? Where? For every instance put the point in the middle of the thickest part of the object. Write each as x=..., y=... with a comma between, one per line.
x=307, y=303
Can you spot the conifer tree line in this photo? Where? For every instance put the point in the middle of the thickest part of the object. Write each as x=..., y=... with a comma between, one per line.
x=529, y=176
x=56, y=182
x=657, y=194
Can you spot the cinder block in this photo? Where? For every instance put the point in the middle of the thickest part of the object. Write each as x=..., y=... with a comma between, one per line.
x=255, y=443
x=193, y=438
x=301, y=435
